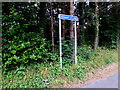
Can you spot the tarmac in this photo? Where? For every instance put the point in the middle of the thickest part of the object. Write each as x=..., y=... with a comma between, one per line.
x=110, y=82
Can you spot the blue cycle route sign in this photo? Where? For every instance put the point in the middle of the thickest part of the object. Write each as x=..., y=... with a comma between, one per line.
x=68, y=17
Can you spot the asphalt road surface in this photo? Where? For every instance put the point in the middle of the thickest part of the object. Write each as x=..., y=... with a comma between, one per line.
x=110, y=82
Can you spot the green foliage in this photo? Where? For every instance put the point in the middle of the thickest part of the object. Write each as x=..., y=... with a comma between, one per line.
x=47, y=75
x=21, y=47
x=67, y=49
x=109, y=31
x=80, y=72
x=85, y=52
x=29, y=48
x=29, y=81
x=26, y=49
x=12, y=25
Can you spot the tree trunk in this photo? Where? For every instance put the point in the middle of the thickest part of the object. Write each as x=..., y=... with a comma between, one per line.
x=63, y=21
x=42, y=19
x=71, y=27
x=71, y=22
x=83, y=29
x=97, y=27
x=51, y=28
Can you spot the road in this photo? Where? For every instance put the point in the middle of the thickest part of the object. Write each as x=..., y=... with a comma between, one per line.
x=110, y=82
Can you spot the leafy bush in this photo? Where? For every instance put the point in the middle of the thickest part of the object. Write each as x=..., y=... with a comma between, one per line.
x=66, y=51
x=28, y=48
x=85, y=53
x=22, y=47
x=13, y=24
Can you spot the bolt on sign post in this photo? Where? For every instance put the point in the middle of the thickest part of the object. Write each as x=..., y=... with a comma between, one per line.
x=67, y=17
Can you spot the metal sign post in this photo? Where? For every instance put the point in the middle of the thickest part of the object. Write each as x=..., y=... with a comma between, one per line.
x=60, y=43
x=67, y=17
x=75, y=44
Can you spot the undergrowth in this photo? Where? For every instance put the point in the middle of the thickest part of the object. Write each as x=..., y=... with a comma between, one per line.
x=49, y=75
